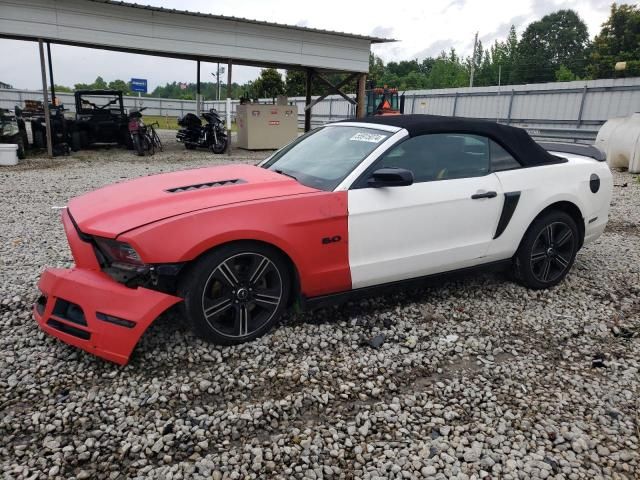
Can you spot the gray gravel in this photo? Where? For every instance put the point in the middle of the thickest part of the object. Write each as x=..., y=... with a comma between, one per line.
x=474, y=378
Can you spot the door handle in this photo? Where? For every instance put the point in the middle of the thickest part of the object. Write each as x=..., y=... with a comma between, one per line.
x=491, y=194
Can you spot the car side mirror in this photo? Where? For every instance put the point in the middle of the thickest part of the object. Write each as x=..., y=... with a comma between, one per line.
x=390, y=177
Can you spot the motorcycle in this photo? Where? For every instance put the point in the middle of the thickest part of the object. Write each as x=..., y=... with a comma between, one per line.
x=143, y=137
x=194, y=134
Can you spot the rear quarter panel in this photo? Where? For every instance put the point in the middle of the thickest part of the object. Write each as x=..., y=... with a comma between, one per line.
x=544, y=185
x=295, y=224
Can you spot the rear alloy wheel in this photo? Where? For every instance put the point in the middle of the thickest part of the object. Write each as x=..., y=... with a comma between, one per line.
x=236, y=293
x=548, y=250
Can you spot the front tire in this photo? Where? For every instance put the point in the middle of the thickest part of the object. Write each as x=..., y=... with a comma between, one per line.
x=220, y=146
x=547, y=251
x=236, y=293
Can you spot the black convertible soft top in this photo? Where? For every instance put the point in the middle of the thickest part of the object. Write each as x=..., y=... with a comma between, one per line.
x=515, y=140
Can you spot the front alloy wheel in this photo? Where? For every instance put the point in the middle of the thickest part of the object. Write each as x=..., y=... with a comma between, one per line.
x=236, y=293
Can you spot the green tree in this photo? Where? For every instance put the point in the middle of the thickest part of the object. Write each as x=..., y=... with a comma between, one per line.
x=618, y=41
x=560, y=38
x=376, y=69
x=563, y=74
x=99, y=84
x=295, y=84
x=448, y=72
x=63, y=89
x=120, y=85
x=268, y=85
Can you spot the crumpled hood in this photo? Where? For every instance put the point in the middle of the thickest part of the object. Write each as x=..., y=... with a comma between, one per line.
x=117, y=208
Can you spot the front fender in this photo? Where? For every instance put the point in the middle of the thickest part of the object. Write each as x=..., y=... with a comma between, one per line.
x=295, y=224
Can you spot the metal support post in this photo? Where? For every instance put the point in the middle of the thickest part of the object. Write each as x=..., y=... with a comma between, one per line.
x=584, y=96
x=45, y=96
x=513, y=92
x=53, y=86
x=198, y=88
x=229, y=65
x=360, y=96
x=307, y=102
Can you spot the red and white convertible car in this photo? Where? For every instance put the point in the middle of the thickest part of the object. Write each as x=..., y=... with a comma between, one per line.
x=347, y=208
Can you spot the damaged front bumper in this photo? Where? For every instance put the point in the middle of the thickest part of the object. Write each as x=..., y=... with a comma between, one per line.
x=87, y=308
x=91, y=311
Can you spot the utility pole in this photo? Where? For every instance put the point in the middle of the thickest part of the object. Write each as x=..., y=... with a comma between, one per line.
x=218, y=77
x=473, y=59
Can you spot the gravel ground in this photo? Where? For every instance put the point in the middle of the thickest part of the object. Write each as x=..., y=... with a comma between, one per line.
x=476, y=378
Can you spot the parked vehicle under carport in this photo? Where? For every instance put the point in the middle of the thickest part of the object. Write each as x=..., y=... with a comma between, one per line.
x=12, y=130
x=60, y=125
x=100, y=118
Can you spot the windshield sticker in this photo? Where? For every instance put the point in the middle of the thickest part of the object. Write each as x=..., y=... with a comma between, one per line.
x=368, y=137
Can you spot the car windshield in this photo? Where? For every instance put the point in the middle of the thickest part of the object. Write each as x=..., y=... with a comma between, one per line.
x=324, y=157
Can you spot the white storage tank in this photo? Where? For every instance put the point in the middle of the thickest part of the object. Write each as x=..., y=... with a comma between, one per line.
x=8, y=154
x=619, y=139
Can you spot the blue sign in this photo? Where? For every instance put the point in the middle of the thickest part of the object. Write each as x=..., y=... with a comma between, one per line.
x=139, y=85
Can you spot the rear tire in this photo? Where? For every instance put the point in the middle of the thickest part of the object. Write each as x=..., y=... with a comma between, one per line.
x=189, y=146
x=39, y=139
x=22, y=153
x=76, y=141
x=125, y=139
x=547, y=251
x=25, y=139
x=138, y=145
x=236, y=293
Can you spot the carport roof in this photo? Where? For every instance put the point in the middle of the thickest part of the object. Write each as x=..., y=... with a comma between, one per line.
x=134, y=28
x=248, y=20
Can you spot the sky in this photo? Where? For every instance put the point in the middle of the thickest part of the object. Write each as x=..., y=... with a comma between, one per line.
x=423, y=28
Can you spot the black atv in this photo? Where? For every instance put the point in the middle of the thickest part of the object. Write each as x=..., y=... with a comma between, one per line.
x=13, y=130
x=60, y=126
x=100, y=118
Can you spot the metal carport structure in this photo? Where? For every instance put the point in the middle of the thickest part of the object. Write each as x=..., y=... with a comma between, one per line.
x=148, y=30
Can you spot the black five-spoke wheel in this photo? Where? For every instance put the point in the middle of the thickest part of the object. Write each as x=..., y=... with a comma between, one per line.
x=236, y=293
x=548, y=250
x=552, y=251
x=242, y=294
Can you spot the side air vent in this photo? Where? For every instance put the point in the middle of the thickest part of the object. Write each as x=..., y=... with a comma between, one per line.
x=200, y=186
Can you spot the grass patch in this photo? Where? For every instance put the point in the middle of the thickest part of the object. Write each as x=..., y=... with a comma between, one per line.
x=171, y=123
x=167, y=123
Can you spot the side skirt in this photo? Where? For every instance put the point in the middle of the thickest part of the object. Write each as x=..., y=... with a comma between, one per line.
x=322, y=301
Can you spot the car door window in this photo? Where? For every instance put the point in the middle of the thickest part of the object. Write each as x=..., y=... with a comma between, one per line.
x=440, y=156
x=501, y=159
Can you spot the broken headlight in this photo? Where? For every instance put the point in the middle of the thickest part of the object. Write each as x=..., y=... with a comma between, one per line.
x=119, y=254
